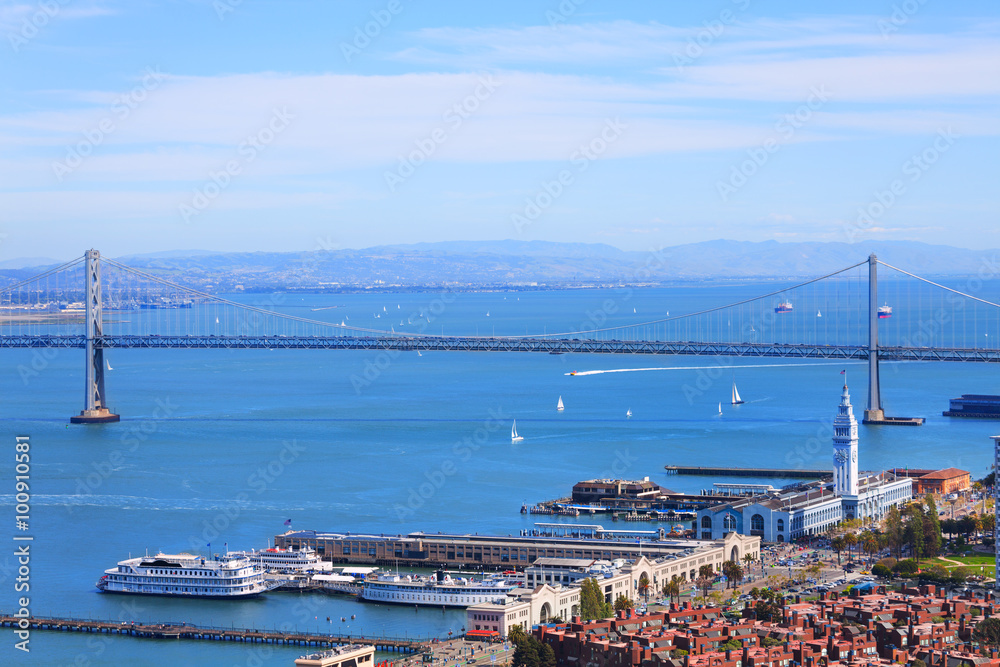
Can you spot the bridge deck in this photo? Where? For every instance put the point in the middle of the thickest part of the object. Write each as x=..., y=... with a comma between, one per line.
x=398, y=344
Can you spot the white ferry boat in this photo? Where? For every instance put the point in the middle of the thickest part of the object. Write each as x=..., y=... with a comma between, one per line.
x=187, y=575
x=286, y=561
x=439, y=591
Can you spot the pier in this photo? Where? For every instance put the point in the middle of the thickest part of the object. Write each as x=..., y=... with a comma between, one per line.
x=786, y=473
x=207, y=633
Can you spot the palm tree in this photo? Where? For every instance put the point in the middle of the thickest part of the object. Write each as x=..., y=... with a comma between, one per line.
x=870, y=546
x=749, y=560
x=837, y=544
x=672, y=588
x=644, y=586
x=850, y=539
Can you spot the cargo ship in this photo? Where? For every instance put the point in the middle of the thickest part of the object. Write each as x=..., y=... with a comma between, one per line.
x=783, y=307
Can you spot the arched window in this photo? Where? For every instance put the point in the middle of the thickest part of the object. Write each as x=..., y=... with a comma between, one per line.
x=706, y=522
x=729, y=523
x=781, y=525
x=757, y=523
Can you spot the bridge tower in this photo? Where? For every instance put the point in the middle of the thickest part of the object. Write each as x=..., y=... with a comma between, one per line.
x=873, y=411
x=95, y=410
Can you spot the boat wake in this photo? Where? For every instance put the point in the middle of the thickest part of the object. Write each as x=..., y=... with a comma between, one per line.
x=699, y=368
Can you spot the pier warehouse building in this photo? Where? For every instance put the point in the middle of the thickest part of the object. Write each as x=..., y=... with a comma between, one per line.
x=812, y=508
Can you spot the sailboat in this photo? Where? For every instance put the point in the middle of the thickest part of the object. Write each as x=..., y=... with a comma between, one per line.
x=109, y=365
x=736, y=396
x=487, y=313
x=216, y=320
x=514, y=437
x=720, y=408
x=628, y=413
x=819, y=313
x=559, y=405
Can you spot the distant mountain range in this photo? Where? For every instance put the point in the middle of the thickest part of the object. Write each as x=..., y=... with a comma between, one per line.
x=532, y=264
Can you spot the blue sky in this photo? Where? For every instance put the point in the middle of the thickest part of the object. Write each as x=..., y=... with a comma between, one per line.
x=281, y=125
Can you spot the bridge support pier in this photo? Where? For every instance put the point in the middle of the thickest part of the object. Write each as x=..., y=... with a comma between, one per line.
x=873, y=411
x=95, y=409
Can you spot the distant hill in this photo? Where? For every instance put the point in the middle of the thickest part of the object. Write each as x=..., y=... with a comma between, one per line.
x=526, y=263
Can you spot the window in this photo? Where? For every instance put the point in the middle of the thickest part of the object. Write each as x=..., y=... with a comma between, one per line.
x=706, y=522
x=757, y=522
x=781, y=524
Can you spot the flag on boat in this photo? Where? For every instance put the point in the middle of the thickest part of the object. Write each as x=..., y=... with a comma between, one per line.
x=288, y=522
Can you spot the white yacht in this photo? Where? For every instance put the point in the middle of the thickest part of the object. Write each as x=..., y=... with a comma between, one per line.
x=287, y=561
x=187, y=575
x=439, y=590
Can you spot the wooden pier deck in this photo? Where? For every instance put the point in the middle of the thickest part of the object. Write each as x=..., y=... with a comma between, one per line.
x=188, y=631
x=786, y=473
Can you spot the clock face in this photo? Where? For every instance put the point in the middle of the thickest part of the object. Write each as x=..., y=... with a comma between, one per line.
x=841, y=456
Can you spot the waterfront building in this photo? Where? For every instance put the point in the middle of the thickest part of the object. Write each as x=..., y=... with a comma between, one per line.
x=938, y=482
x=503, y=552
x=352, y=655
x=609, y=490
x=553, y=584
x=812, y=508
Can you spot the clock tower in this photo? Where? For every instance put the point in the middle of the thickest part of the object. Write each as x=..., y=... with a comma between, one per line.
x=845, y=448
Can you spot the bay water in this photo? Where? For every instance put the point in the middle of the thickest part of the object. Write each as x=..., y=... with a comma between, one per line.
x=225, y=446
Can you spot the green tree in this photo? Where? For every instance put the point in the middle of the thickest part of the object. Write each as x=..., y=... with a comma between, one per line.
x=881, y=571
x=731, y=645
x=592, y=603
x=894, y=530
x=915, y=531
x=644, y=586
x=526, y=653
x=623, y=603
x=987, y=632
x=850, y=539
x=672, y=589
x=917, y=662
x=838, y=544
x=932, y=528
x=906, y=567
x=733, y=572
x=547, y=656
x=516, y=635
x=768, y=642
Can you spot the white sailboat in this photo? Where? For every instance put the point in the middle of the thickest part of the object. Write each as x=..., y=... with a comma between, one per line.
x=487, y=313
x=628, y=413
x=109, y=365
x=819, y=313
x=559, y=405
x=736, y=396
x=514, y=437
x=216, y=320
x=720, y=408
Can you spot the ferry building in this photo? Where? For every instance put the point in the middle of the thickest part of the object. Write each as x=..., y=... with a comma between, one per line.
x=812, y=508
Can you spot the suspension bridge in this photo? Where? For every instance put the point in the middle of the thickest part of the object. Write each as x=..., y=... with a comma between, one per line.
x=97, y=304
